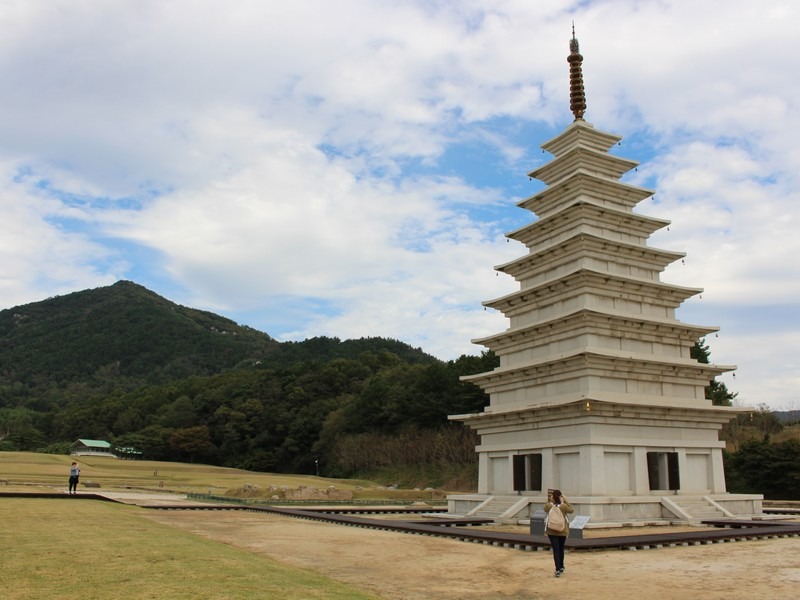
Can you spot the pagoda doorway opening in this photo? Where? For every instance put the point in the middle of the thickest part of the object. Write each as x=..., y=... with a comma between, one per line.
x=528, y=472
x=663, y=471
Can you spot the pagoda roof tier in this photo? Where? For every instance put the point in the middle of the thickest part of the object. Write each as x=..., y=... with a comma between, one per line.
x=703, y=417
x=582, y=281
x=585, y=184
x=607, y=324
x=589, y=246
x=598, y=363
x=587, y=216
x=581, y=133
x=588, y=159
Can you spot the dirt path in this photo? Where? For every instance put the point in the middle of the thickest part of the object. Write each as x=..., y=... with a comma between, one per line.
x=408, y=567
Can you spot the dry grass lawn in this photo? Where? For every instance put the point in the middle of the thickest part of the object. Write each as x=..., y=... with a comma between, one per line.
x=52, y=471
x=68, y=548
x=90, y=550
x=400, y=566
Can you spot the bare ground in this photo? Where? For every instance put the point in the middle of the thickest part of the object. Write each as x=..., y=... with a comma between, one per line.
x=402, y=566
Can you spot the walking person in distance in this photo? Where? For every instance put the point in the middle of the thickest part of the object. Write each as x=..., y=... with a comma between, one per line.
x=557, y=526
x=74, y=473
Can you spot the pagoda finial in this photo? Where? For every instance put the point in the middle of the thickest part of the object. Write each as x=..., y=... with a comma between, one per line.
x=577, y=98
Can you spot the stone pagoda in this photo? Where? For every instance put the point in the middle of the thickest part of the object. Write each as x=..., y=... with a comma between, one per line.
x=596, y=393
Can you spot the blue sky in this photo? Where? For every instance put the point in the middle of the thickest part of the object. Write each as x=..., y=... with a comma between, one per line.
x=350, y=168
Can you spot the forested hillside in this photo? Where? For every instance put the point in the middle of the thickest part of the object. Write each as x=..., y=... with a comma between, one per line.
x=123, y=334
x=123, y=364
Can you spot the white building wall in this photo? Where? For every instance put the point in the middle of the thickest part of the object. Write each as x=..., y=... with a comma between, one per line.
x=698, y=468
x=619, y=472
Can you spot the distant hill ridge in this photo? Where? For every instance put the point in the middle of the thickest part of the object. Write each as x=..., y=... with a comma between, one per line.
x=126, y=335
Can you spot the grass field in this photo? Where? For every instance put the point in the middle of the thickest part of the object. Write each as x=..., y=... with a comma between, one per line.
x=51, y=471
x=80, y=549
x=31, y=471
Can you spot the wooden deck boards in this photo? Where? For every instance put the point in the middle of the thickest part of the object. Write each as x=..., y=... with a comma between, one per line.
x=727, y=530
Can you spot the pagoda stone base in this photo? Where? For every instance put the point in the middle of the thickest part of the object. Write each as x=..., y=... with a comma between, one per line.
x=612, y=511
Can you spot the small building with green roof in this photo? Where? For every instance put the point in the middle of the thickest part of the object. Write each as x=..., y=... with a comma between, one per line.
x=84, y=447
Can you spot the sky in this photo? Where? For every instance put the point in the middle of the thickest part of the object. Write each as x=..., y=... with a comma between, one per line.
x=351, y=168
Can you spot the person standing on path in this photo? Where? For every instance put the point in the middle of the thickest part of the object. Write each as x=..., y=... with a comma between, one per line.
x=557, y=526
x=74, y=473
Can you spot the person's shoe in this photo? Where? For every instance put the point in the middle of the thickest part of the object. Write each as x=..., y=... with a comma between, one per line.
x=562, y=569
x=558, y=573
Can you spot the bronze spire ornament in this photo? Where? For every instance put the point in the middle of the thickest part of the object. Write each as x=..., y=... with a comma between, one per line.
x=577, y=98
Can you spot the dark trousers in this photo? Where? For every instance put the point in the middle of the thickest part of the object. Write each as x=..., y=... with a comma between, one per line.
x=558, y=541
x=73, y=484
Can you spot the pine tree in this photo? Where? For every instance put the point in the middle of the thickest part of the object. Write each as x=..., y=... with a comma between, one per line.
x=716, y=391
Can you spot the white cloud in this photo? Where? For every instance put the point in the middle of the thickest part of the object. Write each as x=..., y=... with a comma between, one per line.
x=730, y=215
x=39, y=258
x=294, y=222
x=348, y=161
x=756, y=356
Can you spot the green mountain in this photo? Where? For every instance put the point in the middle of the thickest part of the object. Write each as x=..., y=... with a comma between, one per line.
x=123, y=330
x=124, y=336
x=122, y=364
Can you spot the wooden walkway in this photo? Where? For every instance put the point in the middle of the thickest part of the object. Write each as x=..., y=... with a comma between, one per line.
x=451, y=528
x=725, y=530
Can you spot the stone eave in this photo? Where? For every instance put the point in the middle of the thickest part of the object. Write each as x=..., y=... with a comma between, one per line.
x=581, y=133
x=583, y=245
x=635, y=411
x=582, y=281
x=584, y=183
x=597, y=362
x=580, y=157
x=593, y=321
x=586, y=212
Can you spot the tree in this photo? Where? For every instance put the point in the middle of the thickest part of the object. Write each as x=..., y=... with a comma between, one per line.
x=14, y=420
x=26, y=438
x=765, y=422
x=716, y=391
x=469, y=398
x=152, y=442
x=192, y=443
x=178, y=414
x=760, y=467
